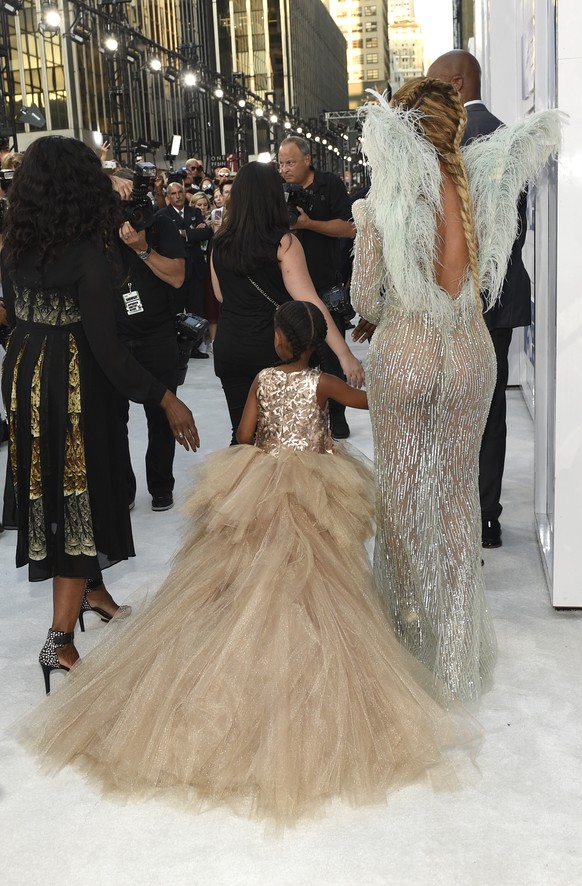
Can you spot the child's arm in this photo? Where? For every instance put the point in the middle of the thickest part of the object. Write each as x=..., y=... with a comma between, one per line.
x=245, y=433
x=330, y=387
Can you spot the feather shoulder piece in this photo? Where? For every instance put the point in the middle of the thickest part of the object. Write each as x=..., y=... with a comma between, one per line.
x=499, y=167
x=403, y=202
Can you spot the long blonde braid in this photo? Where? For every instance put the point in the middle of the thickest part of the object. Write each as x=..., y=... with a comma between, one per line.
x=442, y=120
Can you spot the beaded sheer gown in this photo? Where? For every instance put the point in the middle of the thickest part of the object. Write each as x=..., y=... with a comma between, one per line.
x=263, y=674
x=430, y=376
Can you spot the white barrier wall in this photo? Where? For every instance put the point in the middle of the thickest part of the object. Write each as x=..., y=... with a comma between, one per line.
x=531, y=55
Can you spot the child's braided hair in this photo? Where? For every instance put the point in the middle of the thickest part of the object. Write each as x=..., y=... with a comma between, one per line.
x=304, y=327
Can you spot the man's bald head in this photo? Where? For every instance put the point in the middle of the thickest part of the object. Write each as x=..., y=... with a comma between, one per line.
x=462, y=70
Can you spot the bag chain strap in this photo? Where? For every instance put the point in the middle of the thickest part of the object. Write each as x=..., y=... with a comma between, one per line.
x=262, y=291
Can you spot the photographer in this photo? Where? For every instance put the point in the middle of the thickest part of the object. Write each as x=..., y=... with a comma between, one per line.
x=320, y=213
x=153, y=258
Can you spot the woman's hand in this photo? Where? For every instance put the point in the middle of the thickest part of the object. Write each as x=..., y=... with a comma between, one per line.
x=353, y=370
x=181, y=421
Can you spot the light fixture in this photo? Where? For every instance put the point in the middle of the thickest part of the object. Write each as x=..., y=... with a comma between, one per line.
x=259, y=112
x=345, y=136
x=330, y=147
x=171, y=74
x=299, y=130
x=273, y=118
x=324, y=141
x=307, y=135
x=132, y=55
x=155, y=65
x=317, y=138
x=241, y=103
x=287, y=124
x=50, y=22
x=82, y=28
x=218, y=92
x=189, y=78
x=12, y=7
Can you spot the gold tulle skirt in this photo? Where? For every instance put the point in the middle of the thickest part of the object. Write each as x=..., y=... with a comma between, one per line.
x=263, y=674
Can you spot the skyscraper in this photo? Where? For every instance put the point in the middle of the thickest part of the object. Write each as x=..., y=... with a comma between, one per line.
x=365, y=27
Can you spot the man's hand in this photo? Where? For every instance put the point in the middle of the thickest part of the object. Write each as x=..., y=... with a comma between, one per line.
x=132, y=238
x=303, y=221
x=122, y=186
x=363, y=331
x=104, y=149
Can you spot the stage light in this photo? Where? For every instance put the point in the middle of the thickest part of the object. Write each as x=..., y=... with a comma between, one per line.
x=189, y=78
x=324, y=141
x=259, y=112
x=171, y=74
x=345, y=136
x=330, y=147
x=273, y=118
x=81, y=29
x=299, y=130
x=155, y=65
x=241, y=103
x=132, y=55
x=51, y=20
x=218, y=92
x=307, y=135
x=317, y=138
x=12, y=7
x=287, y=124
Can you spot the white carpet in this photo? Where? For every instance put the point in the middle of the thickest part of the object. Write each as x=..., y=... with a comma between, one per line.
x=519, y=824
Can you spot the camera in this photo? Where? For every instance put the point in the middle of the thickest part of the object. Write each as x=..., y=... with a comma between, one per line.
x=297, y=198
x=191, y=331
x=177, y=177
x=139, y=210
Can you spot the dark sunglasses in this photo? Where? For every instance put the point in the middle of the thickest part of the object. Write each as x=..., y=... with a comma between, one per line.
x=195, y=167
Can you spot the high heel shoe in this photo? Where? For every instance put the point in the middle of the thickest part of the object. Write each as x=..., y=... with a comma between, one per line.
x=48, y=658
x=122, y=611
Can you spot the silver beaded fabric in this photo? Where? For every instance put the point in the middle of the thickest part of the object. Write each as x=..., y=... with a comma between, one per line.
x=430, y=375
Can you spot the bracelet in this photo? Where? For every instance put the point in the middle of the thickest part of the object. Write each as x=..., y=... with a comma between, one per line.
x=145, y=253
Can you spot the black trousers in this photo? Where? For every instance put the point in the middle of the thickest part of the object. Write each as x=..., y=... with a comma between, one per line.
x=160, y=357
x=332, y=365
x=236, y=380
x=492, y=454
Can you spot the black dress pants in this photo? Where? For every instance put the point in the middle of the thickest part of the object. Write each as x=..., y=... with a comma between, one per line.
x=492, y=454
x=332, y=365
x=236, y=379
x=160, y=357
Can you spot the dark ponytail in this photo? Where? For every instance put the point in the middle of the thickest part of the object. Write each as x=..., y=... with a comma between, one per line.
x=304, y=327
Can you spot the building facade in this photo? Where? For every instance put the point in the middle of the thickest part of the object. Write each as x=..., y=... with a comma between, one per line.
x=365, y=28
x=142, y=72
x=406, y=51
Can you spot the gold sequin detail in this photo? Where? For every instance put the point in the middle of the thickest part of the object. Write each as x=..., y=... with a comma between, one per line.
x=37, y=544
x=289, y=415
x=13, y=423
x=79, y=538
x=45, y=306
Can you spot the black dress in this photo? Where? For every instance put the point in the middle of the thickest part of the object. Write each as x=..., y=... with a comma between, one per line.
x=64, y=372
x=244, y=338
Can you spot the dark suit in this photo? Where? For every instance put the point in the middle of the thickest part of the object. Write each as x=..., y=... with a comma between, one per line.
x=191, y=295
x=512, y=310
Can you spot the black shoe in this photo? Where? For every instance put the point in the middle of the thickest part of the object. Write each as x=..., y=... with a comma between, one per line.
x=490, y=534
x=162, y=502
x=340, y=429
x=198, y=355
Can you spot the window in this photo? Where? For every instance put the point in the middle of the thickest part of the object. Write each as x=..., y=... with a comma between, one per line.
x=371, y=43
x=371, y=27
x=373, y=74
x=372, y=58
x=357, y=59
x=369, y=10
x=357, y=44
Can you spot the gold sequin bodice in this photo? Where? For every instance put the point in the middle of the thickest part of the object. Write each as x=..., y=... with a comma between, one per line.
x=289, y=415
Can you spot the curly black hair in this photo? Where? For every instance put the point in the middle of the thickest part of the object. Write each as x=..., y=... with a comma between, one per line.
x=304, y=327
x=59, y=195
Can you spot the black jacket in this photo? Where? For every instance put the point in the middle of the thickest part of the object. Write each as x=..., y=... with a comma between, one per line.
x=195, y=260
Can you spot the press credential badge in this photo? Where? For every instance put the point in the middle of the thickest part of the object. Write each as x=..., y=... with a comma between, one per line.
x=132, y=301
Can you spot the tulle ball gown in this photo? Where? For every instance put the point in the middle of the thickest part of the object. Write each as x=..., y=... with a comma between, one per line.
x=263, y=673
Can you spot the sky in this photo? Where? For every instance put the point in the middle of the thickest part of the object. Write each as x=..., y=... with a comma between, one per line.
x=436, y=19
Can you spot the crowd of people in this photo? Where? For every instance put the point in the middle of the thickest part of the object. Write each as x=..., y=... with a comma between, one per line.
x=274, y=668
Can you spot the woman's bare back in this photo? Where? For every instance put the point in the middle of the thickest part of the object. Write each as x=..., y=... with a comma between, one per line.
x=452, y=252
